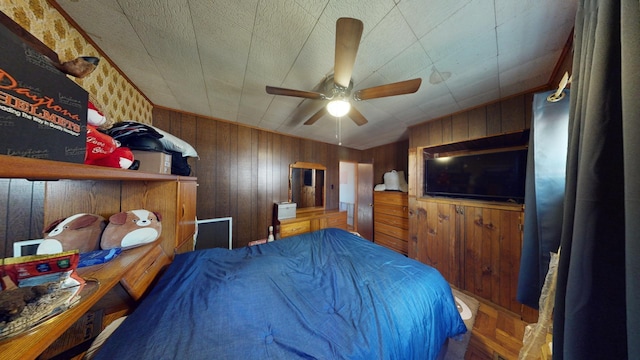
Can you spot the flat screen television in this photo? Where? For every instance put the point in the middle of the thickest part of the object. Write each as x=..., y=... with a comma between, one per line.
x=491, y=176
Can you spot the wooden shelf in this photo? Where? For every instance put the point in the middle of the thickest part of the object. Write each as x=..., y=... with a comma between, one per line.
x=107, y=191
x=36, y=169
x=33, y=342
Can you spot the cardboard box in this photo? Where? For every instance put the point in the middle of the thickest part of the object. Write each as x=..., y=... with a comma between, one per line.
x=153, y=161
x=286, y=210
x=43, y=113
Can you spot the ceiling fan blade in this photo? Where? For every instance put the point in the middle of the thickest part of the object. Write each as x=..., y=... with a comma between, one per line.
x=315, y=117
x=348, y=34
x=357, y=117
x=398, y=88
x=297, y=93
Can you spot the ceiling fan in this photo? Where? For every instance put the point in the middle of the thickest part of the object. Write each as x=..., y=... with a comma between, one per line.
x=337, y=88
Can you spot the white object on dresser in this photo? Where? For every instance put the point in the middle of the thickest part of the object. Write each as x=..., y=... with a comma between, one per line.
x=286, y=210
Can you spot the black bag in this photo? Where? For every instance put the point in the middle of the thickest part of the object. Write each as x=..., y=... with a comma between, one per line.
x=179, y=164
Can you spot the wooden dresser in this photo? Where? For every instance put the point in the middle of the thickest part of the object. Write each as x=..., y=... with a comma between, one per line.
x=391, y=220
x=311, y=221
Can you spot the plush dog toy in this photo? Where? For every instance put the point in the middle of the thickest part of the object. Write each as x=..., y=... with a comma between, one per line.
x=79, y=231
x=130, y=229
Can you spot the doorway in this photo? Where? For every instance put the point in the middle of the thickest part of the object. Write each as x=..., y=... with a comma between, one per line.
x=356, y=196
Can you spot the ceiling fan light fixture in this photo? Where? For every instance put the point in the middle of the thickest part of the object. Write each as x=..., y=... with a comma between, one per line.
x=338, y=107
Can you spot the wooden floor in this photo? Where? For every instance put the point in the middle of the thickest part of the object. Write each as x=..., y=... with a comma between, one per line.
x=497, y=334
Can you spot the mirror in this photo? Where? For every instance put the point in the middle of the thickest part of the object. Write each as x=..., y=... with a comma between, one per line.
x=306, y=185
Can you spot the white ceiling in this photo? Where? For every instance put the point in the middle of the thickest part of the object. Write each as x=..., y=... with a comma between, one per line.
x=214, y=57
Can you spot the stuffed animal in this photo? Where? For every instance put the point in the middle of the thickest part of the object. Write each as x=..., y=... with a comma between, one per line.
x=103, y=150
x=95, y=116
x=99, y=145
x=120, y=158
x=130, y=229
x=79, y=231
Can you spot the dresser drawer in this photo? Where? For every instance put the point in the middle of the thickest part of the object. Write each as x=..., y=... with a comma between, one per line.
x=390, y=197
x=395, y=221
x=141, y=275
x=337, y=220
x=395, y=210
x=392, y=231
x=399, y=245
x=295, y=228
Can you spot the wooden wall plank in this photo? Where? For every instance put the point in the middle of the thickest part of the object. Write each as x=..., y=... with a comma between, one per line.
x=18, y=220
x=188, y=133
x=222, y=169
x=36, y=226
x=513, y=114
x=243, y=223
x=206, y=146
x=435, y=132
x=460, y=127
x=447, y=129
x=234, y=184
x=477, y=123
x=494, y=120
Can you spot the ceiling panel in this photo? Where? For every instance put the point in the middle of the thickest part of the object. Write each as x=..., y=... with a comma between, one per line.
x=215, y=57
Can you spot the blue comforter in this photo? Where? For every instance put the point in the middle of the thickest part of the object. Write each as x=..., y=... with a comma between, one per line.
x=324, y=295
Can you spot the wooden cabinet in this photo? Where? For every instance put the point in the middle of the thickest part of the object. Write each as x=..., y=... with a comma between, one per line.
x=75, y=188
x=311, y=221
x=187, y=194
x=492, y=246
x=476, y=246
x=439, y=245
x=391, y=220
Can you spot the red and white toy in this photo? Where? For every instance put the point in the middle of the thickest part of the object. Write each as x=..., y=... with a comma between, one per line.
x=103, y=150
x=95, y=116
x=130, y=229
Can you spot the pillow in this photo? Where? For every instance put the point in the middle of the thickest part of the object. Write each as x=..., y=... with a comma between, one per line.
x=379, y=187
x=391, y=181
x=174, y=143
x=402, y=183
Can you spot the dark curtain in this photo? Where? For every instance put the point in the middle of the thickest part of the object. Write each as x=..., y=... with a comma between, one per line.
x=597, y=309
x=544, y=195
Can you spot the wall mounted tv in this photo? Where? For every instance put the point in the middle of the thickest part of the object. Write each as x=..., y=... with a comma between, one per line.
x=490, y=176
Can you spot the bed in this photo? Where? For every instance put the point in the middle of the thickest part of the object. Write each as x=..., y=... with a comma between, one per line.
x=328, y=294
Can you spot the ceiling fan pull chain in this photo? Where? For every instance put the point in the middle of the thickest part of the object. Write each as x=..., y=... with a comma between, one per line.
x=339, y=130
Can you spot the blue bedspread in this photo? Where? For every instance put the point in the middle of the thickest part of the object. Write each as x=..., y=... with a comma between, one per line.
x=323, y=295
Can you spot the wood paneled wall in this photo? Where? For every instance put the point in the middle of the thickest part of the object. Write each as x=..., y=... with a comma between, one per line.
x=243, y=171
x=22, y=212
x=510, y=115
x=386, y=158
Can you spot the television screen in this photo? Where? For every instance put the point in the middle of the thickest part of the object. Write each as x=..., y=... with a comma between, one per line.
x=495, y=176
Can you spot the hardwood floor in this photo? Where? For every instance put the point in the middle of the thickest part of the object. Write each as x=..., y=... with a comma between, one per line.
x=497, y=334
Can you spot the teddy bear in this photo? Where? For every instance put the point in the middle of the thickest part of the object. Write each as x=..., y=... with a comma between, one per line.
x=130, y=229
x=80, y=231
